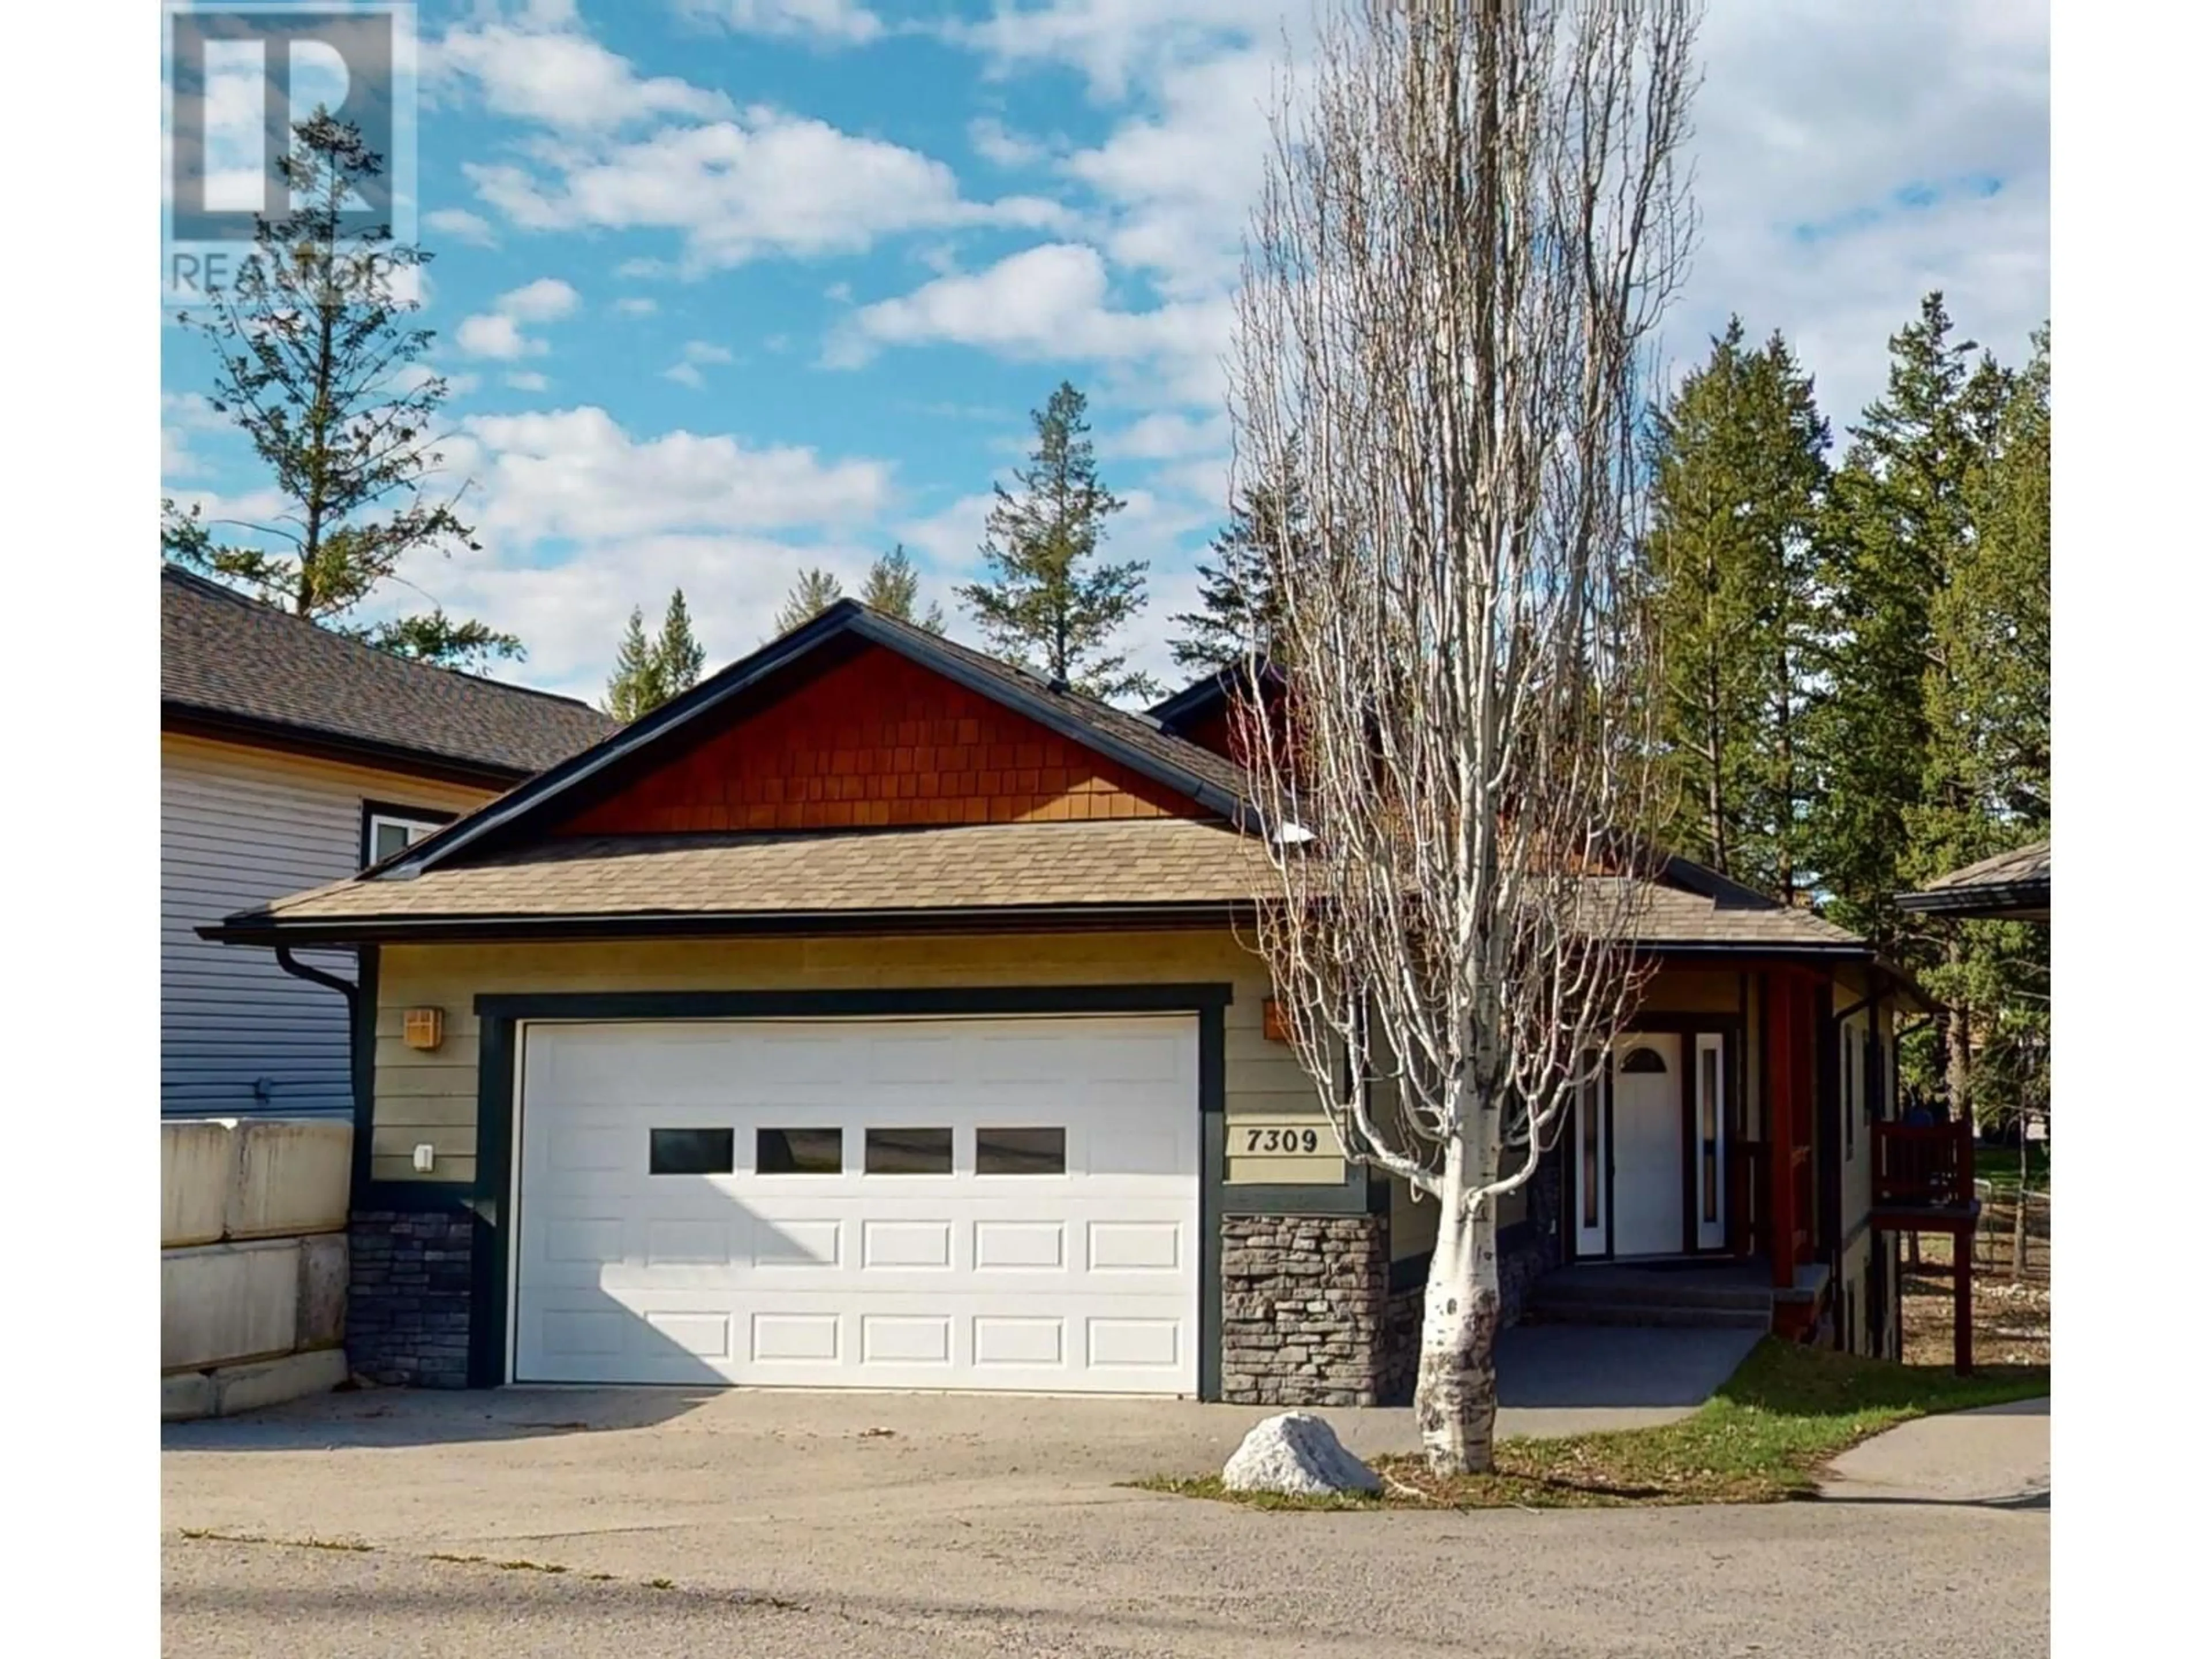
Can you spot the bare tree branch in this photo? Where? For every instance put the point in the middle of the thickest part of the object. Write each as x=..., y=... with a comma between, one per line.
x=1473, y=217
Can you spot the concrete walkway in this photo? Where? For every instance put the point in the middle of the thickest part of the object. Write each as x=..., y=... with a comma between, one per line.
x=1999, y=1455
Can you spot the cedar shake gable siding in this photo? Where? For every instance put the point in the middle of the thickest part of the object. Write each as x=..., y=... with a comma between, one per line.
x=877, y=741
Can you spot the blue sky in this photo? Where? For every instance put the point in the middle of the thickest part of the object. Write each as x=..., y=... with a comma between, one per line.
x=725, y=288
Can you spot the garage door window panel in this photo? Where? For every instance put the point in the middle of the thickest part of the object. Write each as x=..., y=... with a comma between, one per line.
x=1021, y=1152
x=799, y=1151
x=692, y=1152
x=908, y=1151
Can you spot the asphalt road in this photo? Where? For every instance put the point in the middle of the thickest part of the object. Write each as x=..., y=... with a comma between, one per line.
x=751, y=1525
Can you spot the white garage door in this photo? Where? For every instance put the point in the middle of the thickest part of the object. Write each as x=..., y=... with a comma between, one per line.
x=953, y=1204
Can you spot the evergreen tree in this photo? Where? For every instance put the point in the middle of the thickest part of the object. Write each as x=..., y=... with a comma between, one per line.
x=1239, y=600
x=1049, y=603
x=814, y=593
x=894, y=587
x=677, y=654
x=1901, y=520
x=650, y=673
x=314, y=360
x=1985, y=785
x=1739, y=474
x=634, y=689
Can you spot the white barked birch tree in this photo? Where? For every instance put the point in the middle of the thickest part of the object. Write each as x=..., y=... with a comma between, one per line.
x=1475, y=212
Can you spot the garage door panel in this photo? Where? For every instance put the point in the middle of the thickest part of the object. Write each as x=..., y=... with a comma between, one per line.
x=1069, y=1265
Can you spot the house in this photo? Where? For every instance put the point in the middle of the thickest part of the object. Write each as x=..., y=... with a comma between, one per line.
x=877, y=1014
x=291, y=756
x=2012, y=886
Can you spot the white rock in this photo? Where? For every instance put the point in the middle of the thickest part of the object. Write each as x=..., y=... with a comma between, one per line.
x=1299, y=1456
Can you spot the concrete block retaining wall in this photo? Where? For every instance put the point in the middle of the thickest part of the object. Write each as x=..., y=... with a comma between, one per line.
x=254, y=1261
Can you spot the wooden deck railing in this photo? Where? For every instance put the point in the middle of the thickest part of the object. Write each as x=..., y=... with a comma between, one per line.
x=1918, y=1165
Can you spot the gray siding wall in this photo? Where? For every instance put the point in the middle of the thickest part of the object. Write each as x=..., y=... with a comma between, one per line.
x=241, y=826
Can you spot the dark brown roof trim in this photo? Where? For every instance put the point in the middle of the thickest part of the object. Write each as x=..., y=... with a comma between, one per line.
x=189, y=720
x=1992, y=898
x=259, y=929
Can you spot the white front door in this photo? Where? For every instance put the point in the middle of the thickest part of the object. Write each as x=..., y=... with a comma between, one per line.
x=1647, y=1144
x=930, y=1203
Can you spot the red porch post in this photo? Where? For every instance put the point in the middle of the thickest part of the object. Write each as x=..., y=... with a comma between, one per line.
x=1780, y=996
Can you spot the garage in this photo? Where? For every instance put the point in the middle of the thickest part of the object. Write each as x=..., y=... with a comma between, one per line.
x=970, y=1203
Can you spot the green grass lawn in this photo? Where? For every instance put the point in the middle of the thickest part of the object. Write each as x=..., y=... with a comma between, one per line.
x=2000, y=1167
x=1763, y=1438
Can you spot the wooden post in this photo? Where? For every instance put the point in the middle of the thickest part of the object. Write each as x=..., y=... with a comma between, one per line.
x=1962, y=1304
x=1779, y=996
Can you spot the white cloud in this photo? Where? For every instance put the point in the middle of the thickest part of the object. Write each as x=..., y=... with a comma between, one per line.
x=1047, y=302
x=841, y=23
x=999, y=144
x=183, y=415
x=540, y=67
x=1849, y=162
x=570, y=612
x=545, y=300
x=1114, y=42
x=636, y=305
x=950, y=535
x=768, y=182
x=1164, y=436
x=461, y=225
x=697, y=353
x=498, y=333
x=487, y=335
x=579, y=518
x=527, y=380
x=577, y=475
x=1179, y=184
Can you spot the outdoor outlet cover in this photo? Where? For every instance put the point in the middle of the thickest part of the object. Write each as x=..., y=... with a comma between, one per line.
x=425, y=1156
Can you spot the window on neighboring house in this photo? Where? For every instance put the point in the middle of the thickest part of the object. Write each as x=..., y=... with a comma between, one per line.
x=385, y=830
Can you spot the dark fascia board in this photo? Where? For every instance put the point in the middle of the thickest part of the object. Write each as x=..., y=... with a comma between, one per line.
x=261, y=929
x=1995, y=900
x=1202, y=696
x=1707, y=882
x=189, y=720
x=1752, y=955
x=996, y=918
x=847, y=616
x=1133, y=997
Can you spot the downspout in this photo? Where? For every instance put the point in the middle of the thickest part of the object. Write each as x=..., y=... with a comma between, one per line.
x=299, y=969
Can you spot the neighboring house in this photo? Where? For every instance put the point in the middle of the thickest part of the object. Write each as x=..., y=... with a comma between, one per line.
x=875, y=1014
x=2012, y=886
x=291, y=756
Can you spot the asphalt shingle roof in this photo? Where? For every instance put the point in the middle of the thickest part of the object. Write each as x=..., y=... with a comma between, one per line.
x=2021, y=865
x=226, y=655
x=1167, y=862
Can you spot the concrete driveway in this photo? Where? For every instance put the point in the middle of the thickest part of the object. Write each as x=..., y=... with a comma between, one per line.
x=648, y=1522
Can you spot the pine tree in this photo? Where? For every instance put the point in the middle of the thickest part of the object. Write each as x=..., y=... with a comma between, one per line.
x=634, y=688
x=315, y=361
x=1048, y=603
x=1903, y=531
x=677, y=654
x=894, y=587
x=1238, y=598
x=650, y=673
x=1985, y=785
x=1739, y=475
x=1901, y=519
x=814, y=593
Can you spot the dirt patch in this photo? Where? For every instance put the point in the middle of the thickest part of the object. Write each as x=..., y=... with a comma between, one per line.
x=2012, y=1316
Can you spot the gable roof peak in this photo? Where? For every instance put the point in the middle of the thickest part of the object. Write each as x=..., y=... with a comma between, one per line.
x=1132, y=740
